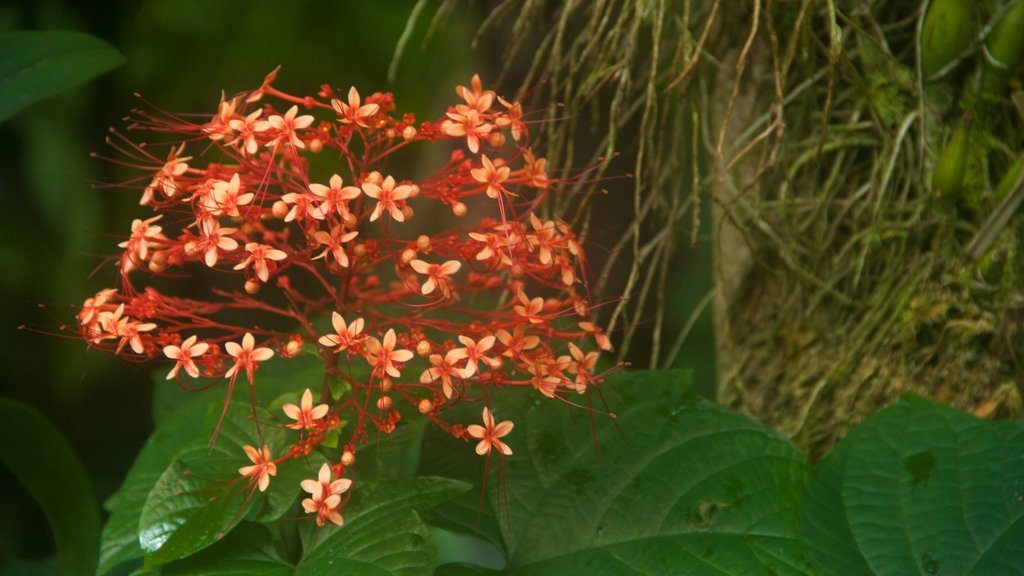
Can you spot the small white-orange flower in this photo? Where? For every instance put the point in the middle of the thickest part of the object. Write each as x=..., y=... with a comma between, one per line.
x=262, y=466
x=286, y=126
x=184, y=355
x=305, y=414
x=247, y=131
x=444, y=368
x=351, y=112
x=599, y=336
x=213, y=238
x=387, y=196
x=144, y=235
x=469, y=124
x=258, y=256
x=474, y=352
x=491, y=174
x=345, y=334
x=165, y=180
x=325, y=496
x=490, y=433
x=332, y=242
x=334, y=198
x=437, y=275
x=530, y=309
x=246, y=356
x=383, y=356
x=225, y=197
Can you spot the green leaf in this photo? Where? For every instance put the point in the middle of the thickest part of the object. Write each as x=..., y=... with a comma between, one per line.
x=37, y=64
x=682, y=486
x=920, y=488
x=247, y=551
x=382, y=535
x=39, y=456
x=190, y=427
x=200, y=496
x=120, y=539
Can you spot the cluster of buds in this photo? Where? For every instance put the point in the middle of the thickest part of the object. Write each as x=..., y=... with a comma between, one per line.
x=435, y=316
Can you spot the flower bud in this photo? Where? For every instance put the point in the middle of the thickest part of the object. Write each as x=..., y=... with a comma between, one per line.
x=348, y=458
x=407, y=211
x=425, y=406
x=279, y=210
x=359, y=250
x=315, y=145
x=293, y=347
x=459, y=209
x=409, y=132
x=384, y=403
x=252, y=286
x=423, y=242
x=423, y=348
x=386, y=384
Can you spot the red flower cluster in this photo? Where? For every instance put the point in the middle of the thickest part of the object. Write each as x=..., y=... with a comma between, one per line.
x=435, y=315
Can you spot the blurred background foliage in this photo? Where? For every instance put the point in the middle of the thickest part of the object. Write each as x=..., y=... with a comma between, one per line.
x=57, y=229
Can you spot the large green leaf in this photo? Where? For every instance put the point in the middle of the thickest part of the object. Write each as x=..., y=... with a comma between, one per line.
x=39, y=456
x=120, y=539
x=382, y=535
x=188, y=431
x=200, y=496
x=681, y=486
x=37, y=64
x=920, y=488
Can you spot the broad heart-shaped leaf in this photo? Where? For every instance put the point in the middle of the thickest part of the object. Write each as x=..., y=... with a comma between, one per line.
x=191, y=425
x=37, y=64
x=186, y=511
x=119, y=541
x=39, y=456
x=682, y=486
x=382, y=535
x=920, y=488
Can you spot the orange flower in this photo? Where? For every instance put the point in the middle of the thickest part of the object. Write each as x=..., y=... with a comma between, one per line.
x=491, y=174
x=345, y=334
x=286, y=127
x=352, y=112
x=306, y=414
x=473, y=352
x=184, y=355
x=489, y=434
x=437, y=275
x=258, y=256
x=443, y=368
x=387, y=196
x=262, y=466
x=467, y=124
x=326, y=496
x=246, y=356
x=383, y=356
